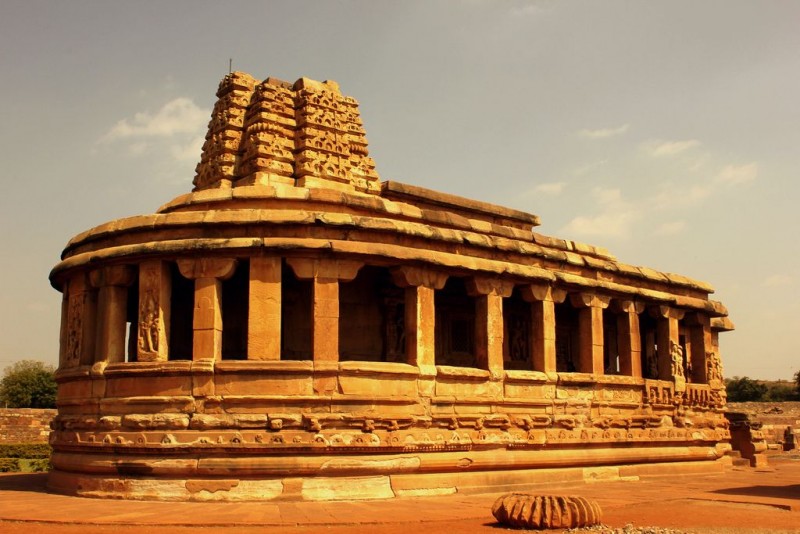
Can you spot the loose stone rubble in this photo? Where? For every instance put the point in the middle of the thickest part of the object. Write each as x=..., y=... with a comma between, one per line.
x=296, y=328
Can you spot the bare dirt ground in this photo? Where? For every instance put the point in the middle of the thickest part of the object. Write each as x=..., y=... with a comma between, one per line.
x=742, y=500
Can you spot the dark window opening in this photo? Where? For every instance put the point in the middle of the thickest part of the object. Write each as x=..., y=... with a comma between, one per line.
x=371, y=317
x=647, y=333
x=611, y=363
x=296, y=316
x=455, y=325
x=567, y=357
x=235, y=307
x=132, y=321
x=181, y=314
x=517, y=332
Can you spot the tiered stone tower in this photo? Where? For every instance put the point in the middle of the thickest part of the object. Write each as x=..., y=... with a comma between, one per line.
x=295, y=329
x=305, y=134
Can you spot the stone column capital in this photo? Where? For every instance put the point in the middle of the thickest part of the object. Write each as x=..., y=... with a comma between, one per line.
x=697, y=319
x=220, y=268
x=113, y=275
x=665, y=312
x=543, y=292
x=408, y=276
x=626, y=306
x=324, y=268
x=481, y=285
x=589, y=300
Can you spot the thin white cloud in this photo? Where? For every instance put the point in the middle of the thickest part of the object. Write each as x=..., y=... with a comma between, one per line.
x=551, y=188
x=171, y=137
x=589, y=167
x=737, y=174
x=669, y=148
x=778, y=280
x=670, y=228
x=615, y=219
x=178, y=116
x=603, y=133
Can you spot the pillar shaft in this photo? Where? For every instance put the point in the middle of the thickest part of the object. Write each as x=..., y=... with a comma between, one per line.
x=208, y=274
x=325, y=331
x=629, y=340
x=590, y=331
x=700, y=346
x=543, y=325
x=112, y=309
x=489, y=332
x=590, y=340
x=420, y=322
x=420, y=315
x=264, y=311
x=667, y=335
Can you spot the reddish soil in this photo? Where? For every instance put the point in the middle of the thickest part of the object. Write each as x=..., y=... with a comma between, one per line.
x=741, y=500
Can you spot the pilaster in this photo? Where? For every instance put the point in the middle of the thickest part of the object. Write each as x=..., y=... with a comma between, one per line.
x=79, y=340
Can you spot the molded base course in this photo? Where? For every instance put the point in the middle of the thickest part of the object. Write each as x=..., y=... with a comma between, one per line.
x=360, y=488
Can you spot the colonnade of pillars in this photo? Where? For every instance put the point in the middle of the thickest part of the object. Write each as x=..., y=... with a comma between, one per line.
x=94, y=316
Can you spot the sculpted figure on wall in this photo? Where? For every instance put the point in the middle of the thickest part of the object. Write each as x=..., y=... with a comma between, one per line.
x=676, y=352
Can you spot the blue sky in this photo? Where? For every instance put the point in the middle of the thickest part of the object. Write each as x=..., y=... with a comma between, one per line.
x=664, y=131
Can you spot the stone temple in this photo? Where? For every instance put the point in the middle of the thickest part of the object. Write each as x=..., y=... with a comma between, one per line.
x=294, y=328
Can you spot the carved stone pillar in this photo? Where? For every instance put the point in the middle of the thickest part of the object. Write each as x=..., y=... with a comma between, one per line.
x=420, y=320
x=543, y=299
x=590, y=331
x=264, y=320
x=325, y=274
x=629, y=339
x=208, y=274
x=667, y=336
x=79, y=340
x=489, y=294
x=699, y=326
x=155, y=290
x=112, y=307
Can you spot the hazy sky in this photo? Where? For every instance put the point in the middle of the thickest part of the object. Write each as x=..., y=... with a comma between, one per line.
x=667, y=132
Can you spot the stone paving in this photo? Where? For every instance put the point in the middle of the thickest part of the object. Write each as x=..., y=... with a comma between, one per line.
x=741, y=500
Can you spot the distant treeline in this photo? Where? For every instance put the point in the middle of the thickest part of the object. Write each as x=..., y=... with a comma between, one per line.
x=746, y=389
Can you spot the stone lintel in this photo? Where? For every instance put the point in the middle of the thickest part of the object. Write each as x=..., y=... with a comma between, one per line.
x=194, y=269
x=328, y=269
x=542, y=292
x=480, y=285
x=114, y=275
x=408, y=276
x=589, y=300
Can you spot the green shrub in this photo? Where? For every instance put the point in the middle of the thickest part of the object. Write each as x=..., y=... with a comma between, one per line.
x=25, y=450
x=38, y=465
x=9, y=465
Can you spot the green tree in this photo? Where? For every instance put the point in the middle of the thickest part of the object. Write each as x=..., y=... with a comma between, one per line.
x=744, y=389
x=797, y=383
x=28, y=384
